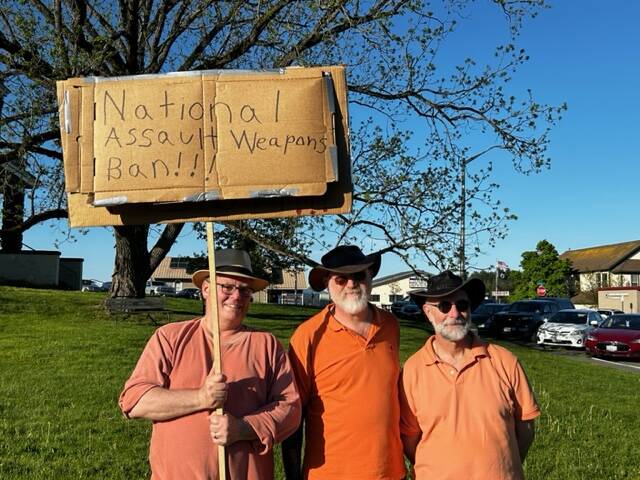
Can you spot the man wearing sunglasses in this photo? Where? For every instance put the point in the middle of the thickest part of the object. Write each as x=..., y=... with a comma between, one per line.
x=174, y=386
x=345, y=361
x=461, y=394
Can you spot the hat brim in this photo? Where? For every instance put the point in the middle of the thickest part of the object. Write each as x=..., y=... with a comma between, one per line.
x=318, y=275
x=473, y=287
x=256, y=284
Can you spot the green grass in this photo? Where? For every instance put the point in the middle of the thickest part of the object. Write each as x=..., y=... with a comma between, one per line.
x=63, y=362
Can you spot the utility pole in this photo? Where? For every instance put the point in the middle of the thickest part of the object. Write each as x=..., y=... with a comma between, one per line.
x=464, y=161
x=496, y=290
x=462, y=261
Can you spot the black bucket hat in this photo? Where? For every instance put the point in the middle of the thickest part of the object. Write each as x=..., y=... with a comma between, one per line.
x=236, y=263
x=343, y=259
x=446, y=283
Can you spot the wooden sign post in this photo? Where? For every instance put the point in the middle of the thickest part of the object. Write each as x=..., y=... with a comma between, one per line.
x=214, y=324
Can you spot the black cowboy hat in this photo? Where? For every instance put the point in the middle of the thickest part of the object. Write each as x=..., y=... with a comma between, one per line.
x=446, y=283
x=343, y=259
x=235, y=263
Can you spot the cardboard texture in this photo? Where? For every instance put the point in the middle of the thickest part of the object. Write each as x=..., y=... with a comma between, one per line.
x=220, y=145
x=199, y=135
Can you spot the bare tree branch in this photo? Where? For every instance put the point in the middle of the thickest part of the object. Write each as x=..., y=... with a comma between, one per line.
x=241, y=47
x=38, y=218
x=163, y=244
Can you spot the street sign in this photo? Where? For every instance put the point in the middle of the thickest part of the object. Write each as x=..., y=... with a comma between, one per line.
x=541, y=291
x=500, y=293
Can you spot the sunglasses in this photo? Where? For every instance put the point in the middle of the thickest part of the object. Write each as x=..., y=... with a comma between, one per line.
x=445, y=305
x=343, y=278
x=228, y=289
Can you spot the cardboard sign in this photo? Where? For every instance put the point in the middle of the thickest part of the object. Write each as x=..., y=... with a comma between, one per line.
x=205, y=146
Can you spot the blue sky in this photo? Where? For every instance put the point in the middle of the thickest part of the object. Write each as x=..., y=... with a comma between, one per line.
x=584, y=53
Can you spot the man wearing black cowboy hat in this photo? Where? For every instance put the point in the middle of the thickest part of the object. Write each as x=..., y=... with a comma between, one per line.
x=467, y=409
x=173, y=385
x=345, y=360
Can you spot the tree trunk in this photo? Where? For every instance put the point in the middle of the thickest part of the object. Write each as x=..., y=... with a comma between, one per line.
x=12, y=213
x=134, y=262
x=132, y=268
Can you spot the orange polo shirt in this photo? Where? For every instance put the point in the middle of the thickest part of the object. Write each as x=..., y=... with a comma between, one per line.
x=348, y=386
x=467, y=418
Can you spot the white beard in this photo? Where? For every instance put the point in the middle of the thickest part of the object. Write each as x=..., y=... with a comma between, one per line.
x=352, y=306
x=452, y=330
x=350, y=302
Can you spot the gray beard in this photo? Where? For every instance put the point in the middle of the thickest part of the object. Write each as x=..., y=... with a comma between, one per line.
x=453, y=333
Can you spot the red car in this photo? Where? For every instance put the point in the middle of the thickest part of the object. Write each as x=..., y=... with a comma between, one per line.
x=618, y=336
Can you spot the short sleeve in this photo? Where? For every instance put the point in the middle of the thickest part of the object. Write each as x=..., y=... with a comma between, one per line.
x=526, y=406
x=409, y=425
x=300, y=364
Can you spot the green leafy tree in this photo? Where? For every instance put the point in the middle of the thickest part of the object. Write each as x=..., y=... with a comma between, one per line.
x=488, y=277
x=543, y=266
x=287, y=252
x=409, y=201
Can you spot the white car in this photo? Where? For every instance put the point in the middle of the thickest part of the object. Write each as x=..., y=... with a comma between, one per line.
x=155, y=287
x=568, y=328
x=607, y=312
x=91, y=286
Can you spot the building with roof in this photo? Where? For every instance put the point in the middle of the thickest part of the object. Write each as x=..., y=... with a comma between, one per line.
x=391, y=288
x=615, y=265
x=603, y=268
x=177, y=271
x=287, y=289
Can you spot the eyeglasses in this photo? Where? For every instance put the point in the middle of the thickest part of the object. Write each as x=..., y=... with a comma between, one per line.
x=228, y=289
x=445, y=305
x=343, y=278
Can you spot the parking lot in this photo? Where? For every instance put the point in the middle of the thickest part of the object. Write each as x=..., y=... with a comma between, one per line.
x=631, y=366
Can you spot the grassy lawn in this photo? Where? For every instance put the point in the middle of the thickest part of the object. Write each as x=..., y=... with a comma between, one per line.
x=63, y=362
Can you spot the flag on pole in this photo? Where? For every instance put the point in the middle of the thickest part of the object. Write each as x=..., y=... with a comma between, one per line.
x=500, y=265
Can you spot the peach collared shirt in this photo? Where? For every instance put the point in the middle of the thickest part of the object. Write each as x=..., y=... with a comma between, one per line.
x=467, y=418
x=261, y=390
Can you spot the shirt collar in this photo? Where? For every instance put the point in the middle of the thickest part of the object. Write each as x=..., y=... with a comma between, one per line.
x=336, y=326
x=478, y=349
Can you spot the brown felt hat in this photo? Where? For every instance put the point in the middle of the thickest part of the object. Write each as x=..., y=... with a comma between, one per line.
x=343, y=259
x=446, y=283
x=236, y=263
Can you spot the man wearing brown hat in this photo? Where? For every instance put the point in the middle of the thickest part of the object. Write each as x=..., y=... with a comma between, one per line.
x=173, y=385
x=345, y=361
x=467, y=409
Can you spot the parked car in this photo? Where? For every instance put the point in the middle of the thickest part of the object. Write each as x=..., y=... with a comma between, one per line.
x=411, y=311
x=482, y=316
x=607, y=312
x=569, y=328
x=397, y=306
x=618, y=336
x=189, y=293
x=561, y=303
x=155, y=287
x=91, y=286
x=522, y=319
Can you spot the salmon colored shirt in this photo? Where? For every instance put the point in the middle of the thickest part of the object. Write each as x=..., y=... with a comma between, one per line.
x=261, y=390
x=467, y=418
x=349, y=393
